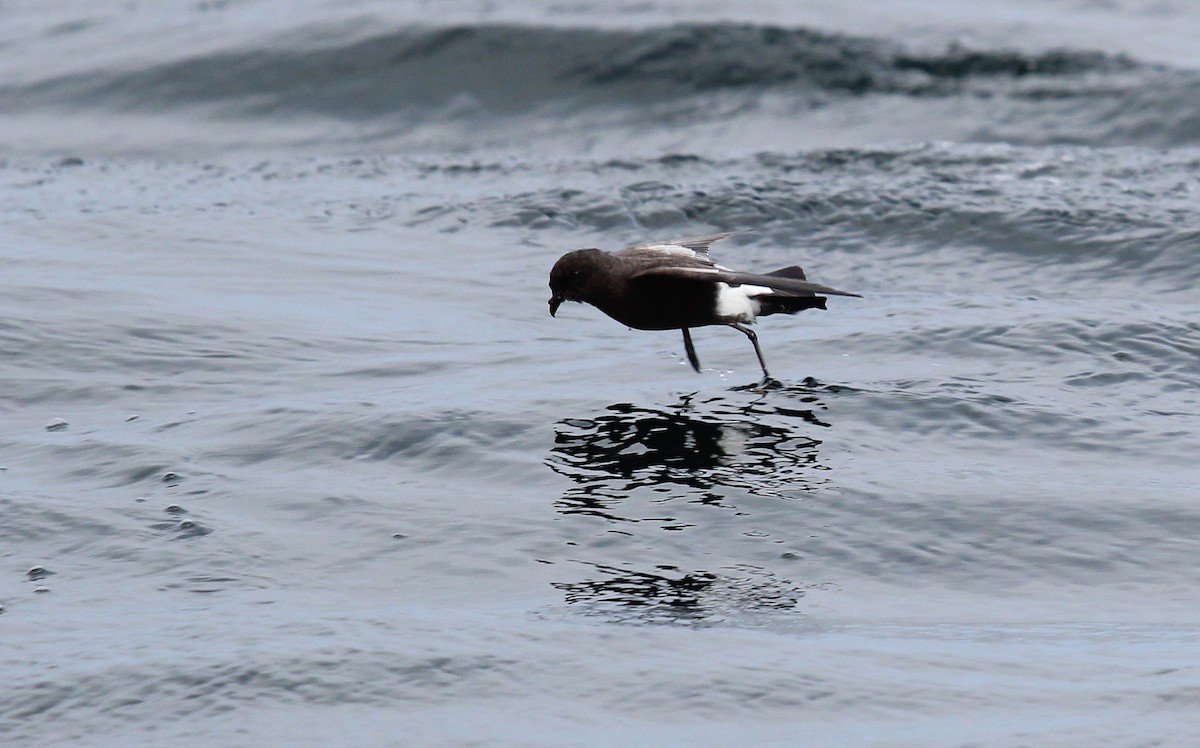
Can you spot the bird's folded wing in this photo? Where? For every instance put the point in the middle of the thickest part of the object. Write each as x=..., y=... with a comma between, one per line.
x=715, y=274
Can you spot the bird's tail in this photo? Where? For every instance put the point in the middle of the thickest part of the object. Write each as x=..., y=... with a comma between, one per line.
x=790, y=281
x=780, y=303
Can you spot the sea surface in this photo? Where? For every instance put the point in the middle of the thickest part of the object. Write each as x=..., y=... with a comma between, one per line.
x=293, y=455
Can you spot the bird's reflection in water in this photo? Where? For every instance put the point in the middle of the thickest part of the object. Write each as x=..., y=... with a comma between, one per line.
x=669, y=595
x=757, y=442
x=637, y=469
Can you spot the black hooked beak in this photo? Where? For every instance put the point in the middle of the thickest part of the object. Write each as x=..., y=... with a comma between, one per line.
x=555, y=302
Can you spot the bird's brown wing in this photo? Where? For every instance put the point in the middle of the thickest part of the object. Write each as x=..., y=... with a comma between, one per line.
x=714, y=274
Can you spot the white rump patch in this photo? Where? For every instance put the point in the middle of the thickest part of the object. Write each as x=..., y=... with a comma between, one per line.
x=739, y=303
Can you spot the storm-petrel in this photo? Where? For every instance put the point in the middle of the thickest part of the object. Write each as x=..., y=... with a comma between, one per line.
x=669, y=285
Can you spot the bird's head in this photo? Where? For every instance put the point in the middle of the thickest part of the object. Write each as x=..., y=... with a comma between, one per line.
x=572, y=276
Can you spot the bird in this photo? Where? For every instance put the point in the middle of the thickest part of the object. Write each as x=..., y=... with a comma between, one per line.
x=674, y=285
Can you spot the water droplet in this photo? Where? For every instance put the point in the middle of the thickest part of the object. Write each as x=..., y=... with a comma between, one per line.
x=175, y=509
x=56, y=424
x=131, y=417
x=40, y=589
x=171, y=477
x=398, y=536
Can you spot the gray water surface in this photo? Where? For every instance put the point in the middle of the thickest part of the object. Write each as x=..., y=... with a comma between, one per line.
x=293, y=454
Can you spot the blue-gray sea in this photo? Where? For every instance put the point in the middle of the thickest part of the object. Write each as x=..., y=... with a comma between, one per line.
x=293, y=455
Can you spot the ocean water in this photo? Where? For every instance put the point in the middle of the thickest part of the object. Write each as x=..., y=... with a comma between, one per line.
x=293, y=454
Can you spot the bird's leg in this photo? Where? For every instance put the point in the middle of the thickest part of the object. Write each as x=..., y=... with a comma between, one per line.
x=691, y=350
x=753, y=339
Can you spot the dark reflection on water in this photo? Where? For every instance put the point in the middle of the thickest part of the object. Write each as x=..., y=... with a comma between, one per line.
x=668, y=468
x=669, y=595
x=759, y=441
x=680, y=592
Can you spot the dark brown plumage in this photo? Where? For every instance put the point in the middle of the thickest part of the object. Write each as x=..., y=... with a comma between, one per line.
x=674, y=285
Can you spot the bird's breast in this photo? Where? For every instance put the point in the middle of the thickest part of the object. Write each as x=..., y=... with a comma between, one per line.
x=663, y=304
